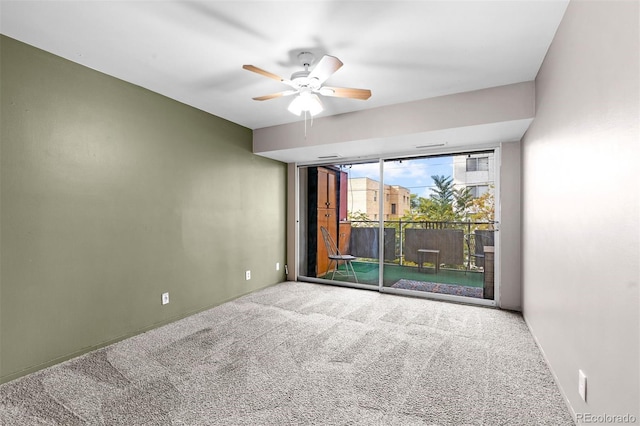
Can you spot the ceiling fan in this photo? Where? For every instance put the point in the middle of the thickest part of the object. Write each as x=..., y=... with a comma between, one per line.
x=309, y=84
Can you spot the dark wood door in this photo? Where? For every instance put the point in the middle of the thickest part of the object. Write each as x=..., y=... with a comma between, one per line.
x=326, y=218
x=326, y=215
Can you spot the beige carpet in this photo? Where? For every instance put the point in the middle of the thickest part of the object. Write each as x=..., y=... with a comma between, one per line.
x=297, y=354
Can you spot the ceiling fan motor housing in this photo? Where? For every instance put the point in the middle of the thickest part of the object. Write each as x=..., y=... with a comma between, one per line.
x=300, y=76
x=301, y=79
x=306, y=59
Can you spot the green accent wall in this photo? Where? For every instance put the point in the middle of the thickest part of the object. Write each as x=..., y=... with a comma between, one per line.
x=112, y=195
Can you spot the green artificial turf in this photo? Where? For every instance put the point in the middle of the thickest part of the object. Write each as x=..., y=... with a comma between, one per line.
x=368, y=273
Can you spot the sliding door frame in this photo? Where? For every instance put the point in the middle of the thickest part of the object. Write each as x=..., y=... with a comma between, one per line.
x=296, y=168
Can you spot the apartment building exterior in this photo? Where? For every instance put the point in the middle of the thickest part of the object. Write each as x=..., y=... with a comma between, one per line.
x=474, y=171
x=363, y=197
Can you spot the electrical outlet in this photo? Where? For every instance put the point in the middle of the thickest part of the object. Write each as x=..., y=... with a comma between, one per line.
x=582, y=385
x=165, y=298
x=247, y=275
x=277, y=266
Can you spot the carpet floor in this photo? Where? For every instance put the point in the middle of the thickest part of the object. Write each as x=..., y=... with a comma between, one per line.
x=305, y=354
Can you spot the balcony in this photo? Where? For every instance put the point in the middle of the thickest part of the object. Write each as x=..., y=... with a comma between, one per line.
x=439, y=257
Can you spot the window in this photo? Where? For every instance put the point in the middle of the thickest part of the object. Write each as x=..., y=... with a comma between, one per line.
x=478, y=190
x=375, y=195
x=393, y=208
x=478, y=164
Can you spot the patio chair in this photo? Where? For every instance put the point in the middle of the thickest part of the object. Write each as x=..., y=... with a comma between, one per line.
x=335, y=256
x=482, y=238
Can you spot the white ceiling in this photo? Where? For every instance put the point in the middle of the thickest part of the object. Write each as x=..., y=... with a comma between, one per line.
x=194, y=51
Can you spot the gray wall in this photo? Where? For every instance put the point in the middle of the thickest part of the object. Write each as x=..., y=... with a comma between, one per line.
x=580, y=184
x=509, y=235
x=458, y=117
x=112, y=195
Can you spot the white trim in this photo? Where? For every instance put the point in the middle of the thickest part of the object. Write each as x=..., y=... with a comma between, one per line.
x=381, y=200
x=347, y=284
x=440, y=296
x=497, y=269
x=296, y=218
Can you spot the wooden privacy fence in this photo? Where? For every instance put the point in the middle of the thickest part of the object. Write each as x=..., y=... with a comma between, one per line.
x=364, y=242
x=450, y=243
x=457, y=242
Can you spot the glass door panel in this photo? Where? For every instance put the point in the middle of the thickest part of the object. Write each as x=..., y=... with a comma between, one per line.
x=338, y=224
x=439, y=215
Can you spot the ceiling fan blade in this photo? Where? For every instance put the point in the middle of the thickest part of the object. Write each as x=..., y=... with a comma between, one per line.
x=275, y=95
x=262, y=72
x=345, y=92
x=325, y=68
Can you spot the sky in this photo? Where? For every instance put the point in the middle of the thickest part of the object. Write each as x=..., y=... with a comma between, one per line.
x=414, y=174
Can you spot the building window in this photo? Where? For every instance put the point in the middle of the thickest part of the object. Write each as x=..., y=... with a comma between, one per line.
x=478, y=190
x=393, y=208
x=478, y=164
x=375, y=195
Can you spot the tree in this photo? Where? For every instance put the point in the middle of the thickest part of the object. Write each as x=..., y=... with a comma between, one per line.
x=463, y=201
x=483, y=208
x=358, y=219
x=414, y=203
x=419, y=212
x=442, y=194
x=442, y=197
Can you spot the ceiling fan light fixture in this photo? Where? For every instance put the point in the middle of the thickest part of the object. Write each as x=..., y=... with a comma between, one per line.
x=306, y=101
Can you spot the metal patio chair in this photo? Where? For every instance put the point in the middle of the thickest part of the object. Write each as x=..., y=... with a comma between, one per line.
x=335, y=256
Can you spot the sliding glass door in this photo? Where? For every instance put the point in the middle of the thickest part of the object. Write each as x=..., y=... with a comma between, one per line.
x=440, y=212
x=338, y=240
x=420, y=226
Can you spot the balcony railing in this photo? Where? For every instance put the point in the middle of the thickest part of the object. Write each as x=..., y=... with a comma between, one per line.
x=460, y=244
